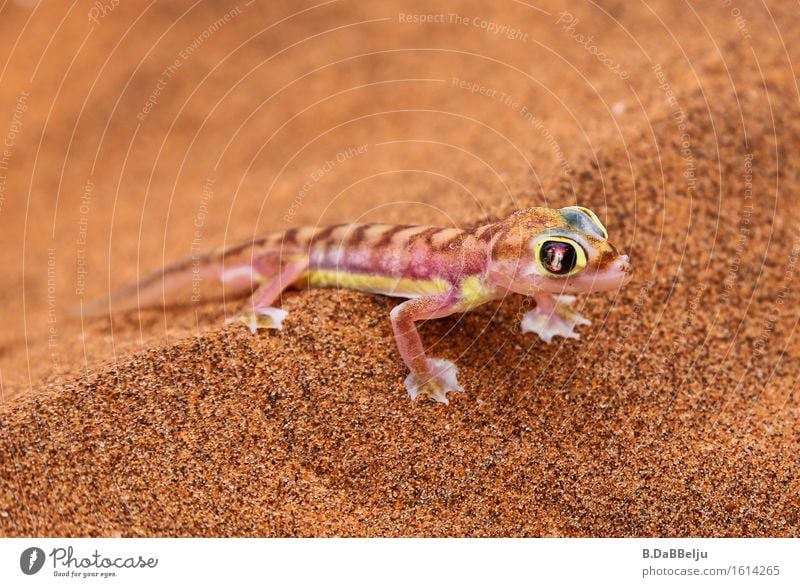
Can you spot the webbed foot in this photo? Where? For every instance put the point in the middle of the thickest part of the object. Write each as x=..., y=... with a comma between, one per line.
x=551, y=317
x=262, y=318
x=440, y=379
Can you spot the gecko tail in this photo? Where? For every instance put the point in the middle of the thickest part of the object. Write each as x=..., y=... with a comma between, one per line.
x=188, y=281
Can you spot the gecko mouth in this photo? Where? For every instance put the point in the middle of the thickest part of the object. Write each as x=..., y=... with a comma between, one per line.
x=617, y=275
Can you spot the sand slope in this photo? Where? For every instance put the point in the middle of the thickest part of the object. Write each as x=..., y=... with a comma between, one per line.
x=676, y=414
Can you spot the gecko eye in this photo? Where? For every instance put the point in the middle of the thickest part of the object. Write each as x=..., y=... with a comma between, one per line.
x=560, y=256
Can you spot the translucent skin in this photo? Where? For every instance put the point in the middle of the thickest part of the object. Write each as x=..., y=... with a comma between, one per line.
x=613, y=276
x=440, y=270
x=513, y=266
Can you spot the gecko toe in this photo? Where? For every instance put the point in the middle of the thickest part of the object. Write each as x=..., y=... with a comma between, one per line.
x=441, y=378
x=561, y=322
x=262, y=318
x=565, y=299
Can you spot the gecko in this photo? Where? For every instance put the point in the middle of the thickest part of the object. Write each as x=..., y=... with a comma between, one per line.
x=547, y=254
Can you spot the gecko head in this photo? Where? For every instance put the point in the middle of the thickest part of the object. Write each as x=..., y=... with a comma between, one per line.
x=555, y=251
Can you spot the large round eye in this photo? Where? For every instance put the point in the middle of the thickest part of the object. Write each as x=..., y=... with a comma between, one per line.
x=560, y=256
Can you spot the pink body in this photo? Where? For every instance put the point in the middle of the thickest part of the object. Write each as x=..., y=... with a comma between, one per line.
x=538, y=252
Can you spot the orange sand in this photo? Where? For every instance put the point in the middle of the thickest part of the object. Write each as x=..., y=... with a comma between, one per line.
x=676, y=414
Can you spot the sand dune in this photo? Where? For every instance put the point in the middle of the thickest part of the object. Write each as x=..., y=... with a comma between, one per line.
x=676, y=413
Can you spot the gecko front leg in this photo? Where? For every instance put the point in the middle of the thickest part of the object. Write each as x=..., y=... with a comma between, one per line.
x=433, y=378
x=553, y=316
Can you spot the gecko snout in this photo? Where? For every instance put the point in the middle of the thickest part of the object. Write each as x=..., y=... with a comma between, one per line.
x=622, y=266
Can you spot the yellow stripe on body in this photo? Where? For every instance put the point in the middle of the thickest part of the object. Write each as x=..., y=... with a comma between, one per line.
x=475, y=292
x=403, y=287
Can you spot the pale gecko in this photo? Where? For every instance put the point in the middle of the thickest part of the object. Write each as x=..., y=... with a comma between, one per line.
x=547, y=254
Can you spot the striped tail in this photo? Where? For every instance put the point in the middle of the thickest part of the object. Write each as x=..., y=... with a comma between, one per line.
x=233, y=268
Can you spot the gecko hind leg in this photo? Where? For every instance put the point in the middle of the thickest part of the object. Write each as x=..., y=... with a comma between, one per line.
x=259, y=312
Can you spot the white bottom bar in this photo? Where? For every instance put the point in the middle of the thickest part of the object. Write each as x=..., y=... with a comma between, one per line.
x=372, y=562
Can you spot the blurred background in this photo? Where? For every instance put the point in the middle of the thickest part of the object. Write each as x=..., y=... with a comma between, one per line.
x=137, y=133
